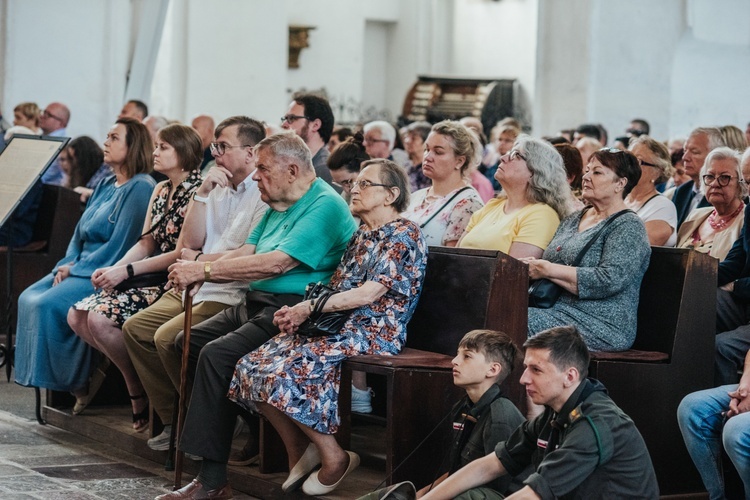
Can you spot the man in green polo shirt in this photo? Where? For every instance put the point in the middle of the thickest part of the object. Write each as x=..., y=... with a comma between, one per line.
x=299, y=240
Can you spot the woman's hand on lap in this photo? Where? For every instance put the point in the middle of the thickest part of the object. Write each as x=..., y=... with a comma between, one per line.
x=62, y=273
x=537, y=267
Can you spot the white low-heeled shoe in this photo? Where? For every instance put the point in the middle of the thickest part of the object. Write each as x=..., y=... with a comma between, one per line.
x=313, y=486
x=306, y=464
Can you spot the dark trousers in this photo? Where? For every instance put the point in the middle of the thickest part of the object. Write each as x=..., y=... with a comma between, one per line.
x=732, y=339
x=215, y=347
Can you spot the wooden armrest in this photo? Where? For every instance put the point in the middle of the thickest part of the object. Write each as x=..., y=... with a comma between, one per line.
x=631, y=355
x=407, y=358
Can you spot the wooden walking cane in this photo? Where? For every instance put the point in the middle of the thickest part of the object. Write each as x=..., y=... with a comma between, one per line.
x=179, y=455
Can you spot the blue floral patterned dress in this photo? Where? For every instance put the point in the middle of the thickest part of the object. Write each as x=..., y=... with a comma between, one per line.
x=166, y=223
x=300, y=376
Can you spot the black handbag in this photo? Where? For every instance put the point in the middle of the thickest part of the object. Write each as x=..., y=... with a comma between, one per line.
x=144, y=280
x=321, y=324
x=543, y=293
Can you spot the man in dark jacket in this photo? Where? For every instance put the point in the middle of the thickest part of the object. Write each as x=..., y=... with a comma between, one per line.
x=581, y=446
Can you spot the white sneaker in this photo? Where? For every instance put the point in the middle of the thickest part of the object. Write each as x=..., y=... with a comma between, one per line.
x=160, y=442
x=361, y=400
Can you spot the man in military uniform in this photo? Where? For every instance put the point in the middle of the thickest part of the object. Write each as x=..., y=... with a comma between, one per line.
x=581, y=446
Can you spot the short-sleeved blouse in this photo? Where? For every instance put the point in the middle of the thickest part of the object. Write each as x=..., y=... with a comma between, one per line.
x=451, y=213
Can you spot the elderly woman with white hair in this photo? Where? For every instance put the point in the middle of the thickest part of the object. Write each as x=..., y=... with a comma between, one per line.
x=443, y=210
x=522, y=219
x=656, y=210
x=714, y=229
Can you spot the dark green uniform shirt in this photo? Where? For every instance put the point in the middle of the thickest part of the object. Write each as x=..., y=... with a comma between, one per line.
x=591, y=449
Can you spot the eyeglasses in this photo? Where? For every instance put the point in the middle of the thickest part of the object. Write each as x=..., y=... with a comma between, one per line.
x=364, y=184
x=293, y=118
x=47, y=114
x=723, y=179
x=515, y=154
x=647, y=164
x=347, y=184
x=219, y=148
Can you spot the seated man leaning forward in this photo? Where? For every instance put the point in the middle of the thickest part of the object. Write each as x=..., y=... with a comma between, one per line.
x=299, y=240
x=582, y=446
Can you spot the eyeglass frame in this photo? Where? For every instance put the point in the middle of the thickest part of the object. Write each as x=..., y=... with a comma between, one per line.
x=219, y=148
x=47, y=114
x=716, y=178
x=646, y=164
x=293, y=118
x=514, y=154
x=364, y=184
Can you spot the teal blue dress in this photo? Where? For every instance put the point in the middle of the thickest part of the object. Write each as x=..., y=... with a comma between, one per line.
x=48, y=353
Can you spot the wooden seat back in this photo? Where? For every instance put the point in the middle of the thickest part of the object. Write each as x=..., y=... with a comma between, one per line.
x=672, y=357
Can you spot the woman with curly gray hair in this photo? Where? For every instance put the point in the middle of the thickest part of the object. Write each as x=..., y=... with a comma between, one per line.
x=535, y=197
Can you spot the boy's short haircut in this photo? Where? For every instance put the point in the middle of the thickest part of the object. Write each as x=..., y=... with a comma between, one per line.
x=496, y=346
x=566, y=346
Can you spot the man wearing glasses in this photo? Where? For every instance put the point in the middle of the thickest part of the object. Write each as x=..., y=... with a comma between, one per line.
x=311, y=118
x=226, y=207
x=53, y=121
x=688, y=196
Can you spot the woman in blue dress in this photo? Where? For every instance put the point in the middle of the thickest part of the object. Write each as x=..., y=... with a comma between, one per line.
x=48, y=353
x=294, y=381
x=98, y=318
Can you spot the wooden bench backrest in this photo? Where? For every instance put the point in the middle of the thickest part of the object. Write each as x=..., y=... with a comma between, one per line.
x=466, y=289
x=673, y=278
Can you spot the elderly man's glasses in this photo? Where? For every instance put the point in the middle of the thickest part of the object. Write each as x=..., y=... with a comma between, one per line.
x=364, y=184
x=373, y=140
x=219, y=148
x=293, y=118
x=722, y=179
x=47, y=114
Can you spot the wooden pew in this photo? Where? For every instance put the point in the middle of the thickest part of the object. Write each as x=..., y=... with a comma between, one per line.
x=464, y=290
x=672, y=356
x=58, y=215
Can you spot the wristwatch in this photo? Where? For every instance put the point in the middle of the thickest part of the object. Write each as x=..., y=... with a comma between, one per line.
x=130, y=270
x=200, y=199
x=207, y=271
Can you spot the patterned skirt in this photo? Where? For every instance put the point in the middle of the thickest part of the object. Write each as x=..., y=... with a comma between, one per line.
x=119, y=306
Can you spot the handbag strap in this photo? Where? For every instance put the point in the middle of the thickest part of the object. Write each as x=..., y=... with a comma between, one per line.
x=320, y=301
x=421, y=226
x=607, y=222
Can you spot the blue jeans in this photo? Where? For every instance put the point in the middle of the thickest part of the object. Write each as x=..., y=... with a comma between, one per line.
x=704, y=431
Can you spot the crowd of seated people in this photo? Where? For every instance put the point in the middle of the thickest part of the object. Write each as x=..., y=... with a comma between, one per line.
x=269, y=215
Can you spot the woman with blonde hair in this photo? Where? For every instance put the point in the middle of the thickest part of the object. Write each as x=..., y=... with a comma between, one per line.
x=443, y=210
x=536, y=196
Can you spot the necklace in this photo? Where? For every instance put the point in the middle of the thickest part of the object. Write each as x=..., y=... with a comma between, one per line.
x=718, y=223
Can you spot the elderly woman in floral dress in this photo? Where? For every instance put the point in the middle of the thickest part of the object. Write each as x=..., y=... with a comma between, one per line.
x=293, y=380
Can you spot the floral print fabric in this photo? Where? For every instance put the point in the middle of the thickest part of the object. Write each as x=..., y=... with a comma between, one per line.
x=300, y=376
x=119, y=306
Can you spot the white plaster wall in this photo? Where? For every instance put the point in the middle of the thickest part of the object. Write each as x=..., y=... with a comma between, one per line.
x=711, y=67
x=72, y=52
x=562, y=66
x=496, y=40
x=632, y=47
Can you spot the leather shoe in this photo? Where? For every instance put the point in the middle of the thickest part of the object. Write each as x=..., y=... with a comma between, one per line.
x=195, y=491
x=306, y=464
x=314, y=487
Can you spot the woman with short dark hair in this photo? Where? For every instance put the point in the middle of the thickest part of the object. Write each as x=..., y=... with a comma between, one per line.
x=600, y=294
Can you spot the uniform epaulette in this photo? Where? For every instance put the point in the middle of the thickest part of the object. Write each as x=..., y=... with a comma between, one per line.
x=576, y=414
